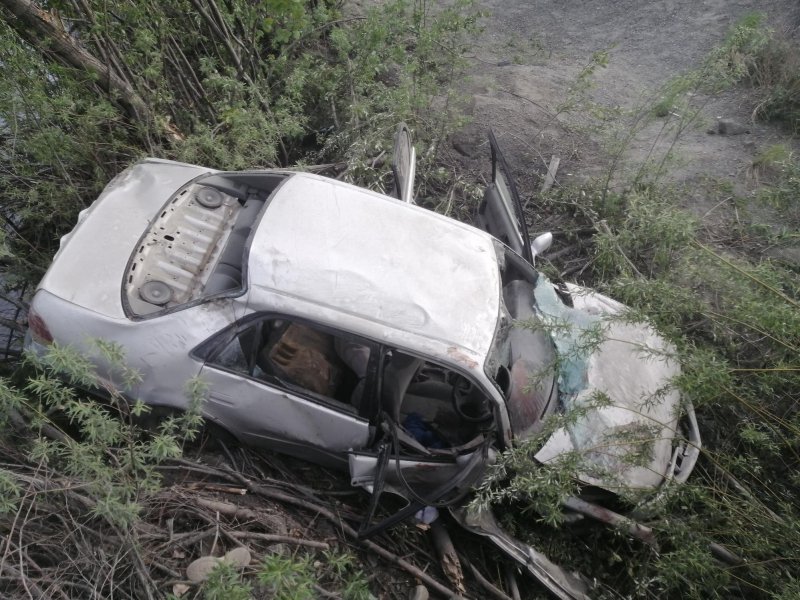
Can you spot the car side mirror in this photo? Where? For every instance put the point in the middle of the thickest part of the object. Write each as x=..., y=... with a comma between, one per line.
x=541, y=244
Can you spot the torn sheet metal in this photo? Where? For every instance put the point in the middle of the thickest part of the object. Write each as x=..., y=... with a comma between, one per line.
x=559, y=581
x=421, y=472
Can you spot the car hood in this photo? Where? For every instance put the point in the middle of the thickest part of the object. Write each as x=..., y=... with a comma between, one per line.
x=89, y=266
x=614, y=377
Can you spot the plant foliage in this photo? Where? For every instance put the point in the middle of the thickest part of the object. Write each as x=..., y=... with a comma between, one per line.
x=733, y=316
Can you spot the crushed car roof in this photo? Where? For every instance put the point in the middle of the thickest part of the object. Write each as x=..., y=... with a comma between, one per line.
x=373, y=258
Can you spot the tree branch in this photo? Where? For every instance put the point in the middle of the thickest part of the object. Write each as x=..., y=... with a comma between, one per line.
x=46, y=32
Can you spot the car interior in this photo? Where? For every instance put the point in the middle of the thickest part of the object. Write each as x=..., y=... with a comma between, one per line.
x=436, y=407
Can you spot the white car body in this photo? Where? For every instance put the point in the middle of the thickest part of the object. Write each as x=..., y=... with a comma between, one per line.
x=323, y=264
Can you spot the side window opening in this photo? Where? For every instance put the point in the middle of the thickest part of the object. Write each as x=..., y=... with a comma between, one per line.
x=438, y=407
x=300, y=358
x=233, y=357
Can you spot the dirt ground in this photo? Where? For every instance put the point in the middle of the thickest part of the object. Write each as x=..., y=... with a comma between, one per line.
x=533, y=50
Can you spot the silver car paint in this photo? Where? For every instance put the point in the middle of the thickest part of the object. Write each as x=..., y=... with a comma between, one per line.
x=88, y=268
x=338, y=255
x=374, y=258
x=260, y=413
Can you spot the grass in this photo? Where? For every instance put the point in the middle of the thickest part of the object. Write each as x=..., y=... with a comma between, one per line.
x=774, y=74
x=290, y=577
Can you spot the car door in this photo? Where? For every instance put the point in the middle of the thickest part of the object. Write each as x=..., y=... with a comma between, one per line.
x=500, y=212
x=290, y=385
x=404, y=164
x=435, y=429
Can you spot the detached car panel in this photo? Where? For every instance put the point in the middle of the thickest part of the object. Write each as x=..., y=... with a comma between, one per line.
x=355, y=329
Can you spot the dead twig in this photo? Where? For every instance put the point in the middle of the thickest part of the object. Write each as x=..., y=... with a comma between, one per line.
x=27, y=583
x=550, y=178
x=511, y=581
x=213, y=487
x=493, y=591
x=724, y=555
x=228, y=509
x=325, y=593
x=280, y=496
x=448, y=558
x=280, y=539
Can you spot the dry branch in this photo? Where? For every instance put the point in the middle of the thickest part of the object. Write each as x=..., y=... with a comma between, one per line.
x=493, y=591
x=45, y=31
x=228, y=509
x=280, y=496
x=280, y=539
x=550, y=178
x=448, y=557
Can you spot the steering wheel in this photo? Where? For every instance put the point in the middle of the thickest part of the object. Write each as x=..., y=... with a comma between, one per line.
x=469, y=403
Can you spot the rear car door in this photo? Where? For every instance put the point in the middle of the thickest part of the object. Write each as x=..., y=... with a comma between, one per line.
x=291, y=385
x=500, y=213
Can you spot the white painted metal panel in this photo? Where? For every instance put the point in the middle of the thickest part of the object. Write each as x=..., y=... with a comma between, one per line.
x=89, y=267
x=374, y=258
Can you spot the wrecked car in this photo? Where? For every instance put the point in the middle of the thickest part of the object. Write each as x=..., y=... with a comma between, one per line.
x=358, y=330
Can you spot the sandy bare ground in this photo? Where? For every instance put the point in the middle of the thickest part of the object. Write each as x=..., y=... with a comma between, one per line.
x=532, y=51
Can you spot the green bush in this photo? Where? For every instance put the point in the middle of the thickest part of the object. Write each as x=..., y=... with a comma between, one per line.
x=733, y=316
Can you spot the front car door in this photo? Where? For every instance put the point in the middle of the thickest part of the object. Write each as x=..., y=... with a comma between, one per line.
x=500, y=213
x=435, y=429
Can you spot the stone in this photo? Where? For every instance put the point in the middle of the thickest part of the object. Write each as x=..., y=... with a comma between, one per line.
x=468, y=141
x=420, y=592
x=238, y=557
x=731, y=127
x=199, y=570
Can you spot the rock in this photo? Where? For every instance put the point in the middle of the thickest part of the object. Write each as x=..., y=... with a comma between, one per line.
x=199, y=570
x=179, y=589
x=238, y=557
x=279, y=548
x=420, y=592
x=730, y=127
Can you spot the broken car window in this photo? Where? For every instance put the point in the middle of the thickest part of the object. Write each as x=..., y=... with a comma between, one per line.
x=299, y=357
